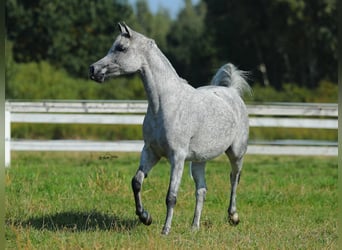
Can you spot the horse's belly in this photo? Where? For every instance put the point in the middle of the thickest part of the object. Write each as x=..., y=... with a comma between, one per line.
x=203, y=148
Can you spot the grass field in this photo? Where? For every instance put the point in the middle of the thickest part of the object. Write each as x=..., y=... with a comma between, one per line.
x=84, y=201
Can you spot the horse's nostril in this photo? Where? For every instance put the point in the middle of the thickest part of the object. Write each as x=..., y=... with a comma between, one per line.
x=91, y=70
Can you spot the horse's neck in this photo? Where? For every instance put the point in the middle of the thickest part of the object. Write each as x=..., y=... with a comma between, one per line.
x=161, y=81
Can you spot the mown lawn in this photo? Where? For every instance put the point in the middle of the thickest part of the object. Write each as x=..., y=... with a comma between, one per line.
x=84, y=201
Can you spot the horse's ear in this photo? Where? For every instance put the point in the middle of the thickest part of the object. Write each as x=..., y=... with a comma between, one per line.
x=124, y=29
x=121, y=28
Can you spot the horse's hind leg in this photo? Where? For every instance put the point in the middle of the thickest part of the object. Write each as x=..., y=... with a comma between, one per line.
x=236, y=165
x=198, y=173
x=147, y=161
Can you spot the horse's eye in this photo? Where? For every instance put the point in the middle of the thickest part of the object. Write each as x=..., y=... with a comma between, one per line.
x=120, y=48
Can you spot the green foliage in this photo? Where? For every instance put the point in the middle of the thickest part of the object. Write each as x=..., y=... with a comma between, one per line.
x=35, y=81
x=155, y=26
x=189, y=50
x=294, y=41
x=41, y=81
x=76, y=131
x=80, y=201
x=325, y=92
x=69, y=34
x=10, y=68
x=271, y=134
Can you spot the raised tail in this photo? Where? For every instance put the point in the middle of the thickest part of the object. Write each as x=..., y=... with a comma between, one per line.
x=229, y=76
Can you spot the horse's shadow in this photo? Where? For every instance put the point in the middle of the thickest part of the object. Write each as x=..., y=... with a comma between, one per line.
x=81, y=221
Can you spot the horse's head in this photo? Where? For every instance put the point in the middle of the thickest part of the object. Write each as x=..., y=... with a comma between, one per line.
x=124, y=57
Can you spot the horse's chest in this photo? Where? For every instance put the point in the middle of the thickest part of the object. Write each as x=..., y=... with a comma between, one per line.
x=162, y=134
x=154, y=134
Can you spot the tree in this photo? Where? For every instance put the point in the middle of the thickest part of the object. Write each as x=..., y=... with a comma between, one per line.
x=10, y=68
x=154, y=26
x=69, y=34
x=189, y=49
x=280, y=41
x=311, y=40
x=294, y=40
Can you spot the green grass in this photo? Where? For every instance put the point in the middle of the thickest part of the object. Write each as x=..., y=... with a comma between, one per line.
x=80, y=201
x=110, y=132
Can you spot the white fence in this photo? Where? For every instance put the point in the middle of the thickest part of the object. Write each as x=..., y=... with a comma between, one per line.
x=315, y=116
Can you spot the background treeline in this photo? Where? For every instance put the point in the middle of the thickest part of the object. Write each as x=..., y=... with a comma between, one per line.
x=289, y=46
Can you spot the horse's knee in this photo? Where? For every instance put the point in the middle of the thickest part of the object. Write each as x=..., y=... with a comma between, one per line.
x=171, y=200
x=137, y=181
x=201, y=192
x=136, y=185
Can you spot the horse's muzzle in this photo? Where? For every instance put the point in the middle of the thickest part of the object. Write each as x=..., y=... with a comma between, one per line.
x=91, y=70
x=96, y=76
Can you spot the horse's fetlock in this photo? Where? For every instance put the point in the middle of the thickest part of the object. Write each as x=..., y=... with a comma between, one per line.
x=145, y=218
x=166, y=230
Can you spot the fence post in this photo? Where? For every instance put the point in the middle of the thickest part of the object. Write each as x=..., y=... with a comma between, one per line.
x=7, y=138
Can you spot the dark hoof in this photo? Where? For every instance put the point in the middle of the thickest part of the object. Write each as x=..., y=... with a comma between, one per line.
x=145, y=218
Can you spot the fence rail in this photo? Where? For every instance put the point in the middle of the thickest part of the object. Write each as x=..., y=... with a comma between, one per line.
x=291, y=115
x=268, y=109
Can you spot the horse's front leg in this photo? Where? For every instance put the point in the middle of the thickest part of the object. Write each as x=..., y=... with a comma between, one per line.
x=177, y=166
x=147, y=161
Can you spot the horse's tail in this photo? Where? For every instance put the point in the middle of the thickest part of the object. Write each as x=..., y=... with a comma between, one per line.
x=229, y=76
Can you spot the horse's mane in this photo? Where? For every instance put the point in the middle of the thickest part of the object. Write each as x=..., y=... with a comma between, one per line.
x=164, y=58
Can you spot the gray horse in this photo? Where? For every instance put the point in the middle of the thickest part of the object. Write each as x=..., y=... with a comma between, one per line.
x=182, y=123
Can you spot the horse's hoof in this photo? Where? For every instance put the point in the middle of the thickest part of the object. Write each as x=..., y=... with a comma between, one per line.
x=195, y=228
x=234, y=219
x=145, y=218
x=166, y=231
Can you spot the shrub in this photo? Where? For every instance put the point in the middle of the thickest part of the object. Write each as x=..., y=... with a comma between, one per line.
x=40, y=80
x=290, y=92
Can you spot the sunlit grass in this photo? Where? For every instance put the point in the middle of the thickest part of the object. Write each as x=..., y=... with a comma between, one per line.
x=77, y=201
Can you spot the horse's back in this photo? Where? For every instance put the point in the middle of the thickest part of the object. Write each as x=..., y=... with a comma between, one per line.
x=228, y=98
